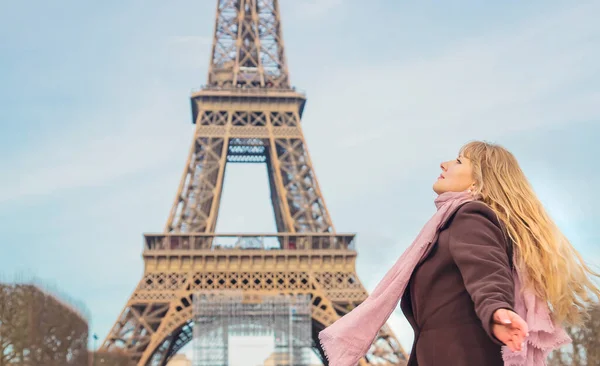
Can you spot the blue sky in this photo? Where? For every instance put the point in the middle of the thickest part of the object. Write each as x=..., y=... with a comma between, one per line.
x=95, y=123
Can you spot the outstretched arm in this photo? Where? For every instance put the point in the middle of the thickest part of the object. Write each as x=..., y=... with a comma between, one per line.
x=480, y=250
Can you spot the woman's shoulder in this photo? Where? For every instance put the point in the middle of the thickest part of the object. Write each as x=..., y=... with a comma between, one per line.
x=475, y=220
x=474, y=213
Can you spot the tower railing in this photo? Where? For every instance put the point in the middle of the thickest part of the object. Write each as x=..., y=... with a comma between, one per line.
x=279, y=241
x=247, y=89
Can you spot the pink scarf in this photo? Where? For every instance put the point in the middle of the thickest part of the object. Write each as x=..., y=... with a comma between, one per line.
x=347, y=340
x=545, y=334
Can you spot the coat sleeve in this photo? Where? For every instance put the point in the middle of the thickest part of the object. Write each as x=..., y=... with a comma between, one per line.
x=480, y=250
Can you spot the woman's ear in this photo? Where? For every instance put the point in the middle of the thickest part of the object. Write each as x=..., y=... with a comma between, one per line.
x=472, y=188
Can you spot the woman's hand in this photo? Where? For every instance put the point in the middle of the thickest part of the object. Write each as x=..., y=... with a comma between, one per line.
x=510, y=329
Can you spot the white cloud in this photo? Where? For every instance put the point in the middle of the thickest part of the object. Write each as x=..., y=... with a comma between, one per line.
x=192, y=40
x=100, y=151
x=510, y=81
x=313, y=9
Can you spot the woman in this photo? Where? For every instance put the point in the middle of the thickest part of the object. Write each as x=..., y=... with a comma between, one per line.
x=488, y=259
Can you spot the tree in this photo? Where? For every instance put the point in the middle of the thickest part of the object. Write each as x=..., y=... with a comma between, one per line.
x=585, y=349
x=110, y=358
x=37, y=328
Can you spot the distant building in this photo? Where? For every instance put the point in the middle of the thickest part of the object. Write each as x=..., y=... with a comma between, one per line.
x=179, y=360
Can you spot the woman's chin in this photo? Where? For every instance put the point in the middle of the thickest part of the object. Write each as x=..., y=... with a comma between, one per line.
x=438, y=188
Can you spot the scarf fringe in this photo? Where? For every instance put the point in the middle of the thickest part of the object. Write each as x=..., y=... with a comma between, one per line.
x=321, y=336
x=520, y=358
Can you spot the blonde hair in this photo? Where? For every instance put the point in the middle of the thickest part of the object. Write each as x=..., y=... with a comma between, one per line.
x=552, y=266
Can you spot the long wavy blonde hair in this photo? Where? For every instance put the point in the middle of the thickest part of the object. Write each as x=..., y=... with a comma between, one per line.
x=553, y=267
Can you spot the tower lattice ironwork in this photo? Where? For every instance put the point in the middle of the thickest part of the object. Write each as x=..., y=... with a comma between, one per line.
x=247, y=113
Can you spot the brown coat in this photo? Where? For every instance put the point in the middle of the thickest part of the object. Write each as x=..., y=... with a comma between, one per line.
x=454, y=292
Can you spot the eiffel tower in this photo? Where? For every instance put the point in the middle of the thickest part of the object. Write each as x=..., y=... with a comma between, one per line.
x=247, y=113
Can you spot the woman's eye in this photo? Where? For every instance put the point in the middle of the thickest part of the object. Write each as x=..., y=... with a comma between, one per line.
x=458, y=161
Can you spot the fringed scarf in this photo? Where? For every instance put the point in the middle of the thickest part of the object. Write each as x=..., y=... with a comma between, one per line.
x=347, y=340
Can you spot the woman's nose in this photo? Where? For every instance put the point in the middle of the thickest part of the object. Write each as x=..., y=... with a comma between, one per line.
x=443, y=166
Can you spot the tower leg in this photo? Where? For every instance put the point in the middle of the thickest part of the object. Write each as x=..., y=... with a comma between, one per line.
x=197, y=202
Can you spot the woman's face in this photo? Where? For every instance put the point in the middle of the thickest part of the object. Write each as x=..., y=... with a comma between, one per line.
x=456, y=176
